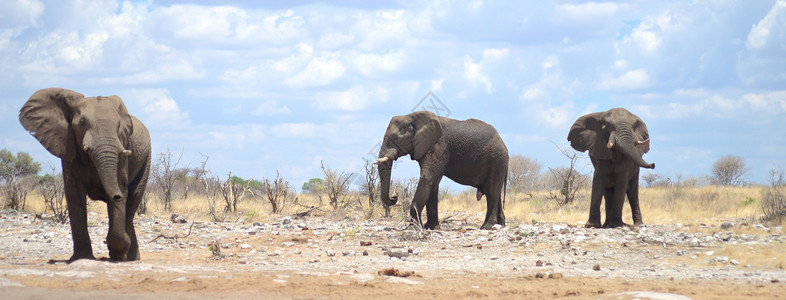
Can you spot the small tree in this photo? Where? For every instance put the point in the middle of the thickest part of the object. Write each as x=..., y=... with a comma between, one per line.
x=313, y=186
x=165, y=175
x=650, y=179
x=276, y=192
x=523, y=174
x=729, y=170
x=14, y=170
x=337, y=186
x=774, y=204
x=233, y=192
x=567, y=180
x=51, y=188
x=370, y=189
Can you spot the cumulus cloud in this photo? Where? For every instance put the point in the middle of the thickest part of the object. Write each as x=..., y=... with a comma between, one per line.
x=159, y=109
x=271, y=108
x=318, y=72
x=630, y=80
x=355, y=99
x=20, y=13
x=769, y=29
x=295, y=130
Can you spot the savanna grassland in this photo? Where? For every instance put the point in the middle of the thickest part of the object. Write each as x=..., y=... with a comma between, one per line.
x=701, y=242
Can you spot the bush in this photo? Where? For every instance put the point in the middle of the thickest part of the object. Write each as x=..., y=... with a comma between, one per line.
x=729, y=170
x=774, y=204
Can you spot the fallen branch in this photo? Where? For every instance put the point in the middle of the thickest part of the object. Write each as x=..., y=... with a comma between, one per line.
x=175, y=237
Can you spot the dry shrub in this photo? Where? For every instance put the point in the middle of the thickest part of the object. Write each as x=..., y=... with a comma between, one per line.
x=774, y=195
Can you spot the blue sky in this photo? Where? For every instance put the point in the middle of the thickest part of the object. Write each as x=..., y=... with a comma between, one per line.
x=260, y=87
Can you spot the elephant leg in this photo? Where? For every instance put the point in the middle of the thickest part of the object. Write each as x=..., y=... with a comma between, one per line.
x=595, y=199
x=432, y=211
x=614, y=206
x=117, y=239
x=494, y=213
x=633, y=198
x=77, y=215
x=131, y=207
x=426, y=186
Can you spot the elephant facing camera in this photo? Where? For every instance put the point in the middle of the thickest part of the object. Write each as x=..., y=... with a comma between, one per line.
x=105, y=155
x=616, y=141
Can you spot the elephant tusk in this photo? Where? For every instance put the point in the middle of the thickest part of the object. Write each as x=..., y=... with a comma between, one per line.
x=382, y=160
x=610, y=144
x=642, y=142
x=126, y=152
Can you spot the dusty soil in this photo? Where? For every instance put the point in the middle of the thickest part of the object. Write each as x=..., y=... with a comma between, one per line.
x=323, y=258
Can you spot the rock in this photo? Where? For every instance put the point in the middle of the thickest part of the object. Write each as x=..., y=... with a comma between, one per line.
x=245, y=246
x=726, y=225
x=364, y=243
x=539, y=263
x=596, y=267
x=397, y=252
x=496, y=227
x=286, y=220
x=555, y=276
x=175, y=218
x=721, y=259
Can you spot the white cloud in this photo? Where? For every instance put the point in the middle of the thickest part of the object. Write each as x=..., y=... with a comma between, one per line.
x=768, y=28
x=631, y=80
x=220, y=26
x=473, y=72
x=771, y=103
x=20, y=13
x=271, y=108
x=588, y=12
x=160, y=110
x=355, y=99
x=295, y=130
x=318, y=72
x=378, y=65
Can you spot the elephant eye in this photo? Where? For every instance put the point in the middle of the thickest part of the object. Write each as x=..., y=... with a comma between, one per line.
x=82, y=122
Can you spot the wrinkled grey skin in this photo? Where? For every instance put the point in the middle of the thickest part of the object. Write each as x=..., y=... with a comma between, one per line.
x=469, y=152
x=105, y=154
x=616, y=140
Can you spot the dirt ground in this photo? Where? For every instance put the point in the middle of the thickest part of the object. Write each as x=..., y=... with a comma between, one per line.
x=344, y=259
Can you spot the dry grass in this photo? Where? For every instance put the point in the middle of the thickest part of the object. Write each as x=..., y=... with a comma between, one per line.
x=688, y=206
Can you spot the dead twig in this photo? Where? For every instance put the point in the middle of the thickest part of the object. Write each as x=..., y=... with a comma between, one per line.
x=175, y=237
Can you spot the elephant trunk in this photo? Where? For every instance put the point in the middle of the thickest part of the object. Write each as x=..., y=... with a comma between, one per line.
x=106, y=158
x=384, y=169
x=626, y=142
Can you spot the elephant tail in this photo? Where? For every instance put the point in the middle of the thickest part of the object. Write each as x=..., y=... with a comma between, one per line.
x=505, y=189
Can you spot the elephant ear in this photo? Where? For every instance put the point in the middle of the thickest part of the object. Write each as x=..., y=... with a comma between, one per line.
x=641, y=133
x=126, y=122
x=427, y=131
x=587, y=134
x=47, y=116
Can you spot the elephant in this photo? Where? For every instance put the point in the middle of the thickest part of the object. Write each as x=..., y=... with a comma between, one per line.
x=105, y=155
x=469, y=152
x=616, y=139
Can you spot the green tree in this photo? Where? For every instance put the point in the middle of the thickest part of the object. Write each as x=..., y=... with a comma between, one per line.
x=15, y=170
x=313, y=185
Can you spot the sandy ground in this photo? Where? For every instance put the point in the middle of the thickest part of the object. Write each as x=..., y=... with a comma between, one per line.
x=346, y=259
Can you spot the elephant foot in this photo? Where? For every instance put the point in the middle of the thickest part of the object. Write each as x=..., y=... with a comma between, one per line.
x=490, y=225
x=431, y=226
x=78, y=256
x=613, y=224
x=592, y=224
